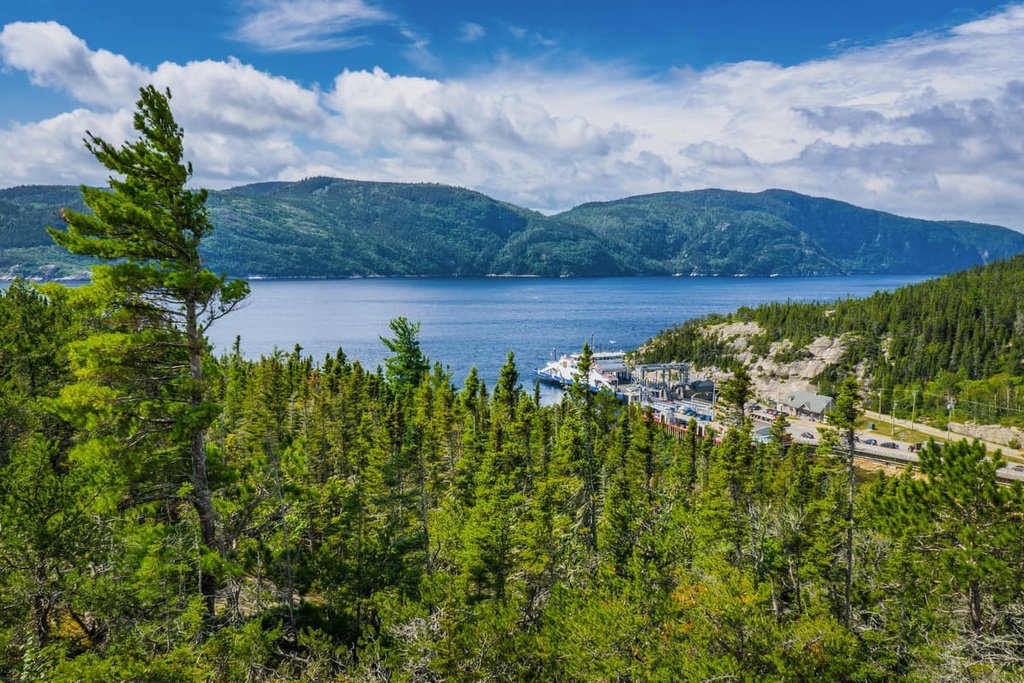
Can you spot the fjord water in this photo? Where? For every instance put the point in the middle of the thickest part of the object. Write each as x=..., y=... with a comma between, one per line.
x=475, y=322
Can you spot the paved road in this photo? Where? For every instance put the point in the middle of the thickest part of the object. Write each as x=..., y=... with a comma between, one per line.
x=940, y=434
x=802, y=429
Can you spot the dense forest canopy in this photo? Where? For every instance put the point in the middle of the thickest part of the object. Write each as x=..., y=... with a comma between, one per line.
x=400, y=524
x=405, y=526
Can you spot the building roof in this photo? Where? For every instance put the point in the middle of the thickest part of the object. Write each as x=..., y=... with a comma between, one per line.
x=809, y=401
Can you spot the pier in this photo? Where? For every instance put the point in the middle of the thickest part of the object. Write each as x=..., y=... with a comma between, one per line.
x=667, y=388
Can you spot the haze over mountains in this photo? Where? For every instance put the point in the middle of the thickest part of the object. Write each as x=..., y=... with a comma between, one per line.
x=335, y=228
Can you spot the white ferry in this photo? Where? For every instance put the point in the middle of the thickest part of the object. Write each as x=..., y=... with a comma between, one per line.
x=607, y=371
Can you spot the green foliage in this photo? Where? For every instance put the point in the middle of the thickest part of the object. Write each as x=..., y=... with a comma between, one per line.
x=140, y=373
x=328, y=227
x=407, y=367
x=446, y=534
x=389, y=526
x=960, y=515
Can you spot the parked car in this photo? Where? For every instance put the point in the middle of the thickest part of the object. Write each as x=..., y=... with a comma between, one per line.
x=890, y=444
x=1018, y=468
x=807, y=435
x=871, y=442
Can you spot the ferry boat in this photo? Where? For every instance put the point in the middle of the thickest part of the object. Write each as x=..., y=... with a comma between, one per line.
x=607, y=371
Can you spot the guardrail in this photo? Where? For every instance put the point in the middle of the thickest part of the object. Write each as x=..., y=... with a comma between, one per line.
x=1004, y=474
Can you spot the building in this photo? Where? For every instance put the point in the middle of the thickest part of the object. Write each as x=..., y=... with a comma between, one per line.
x=808, y=404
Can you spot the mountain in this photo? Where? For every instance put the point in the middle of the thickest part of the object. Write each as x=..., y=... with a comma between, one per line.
x=328, y=227
x=25, y=247
x=325, y=227
x=719, y=232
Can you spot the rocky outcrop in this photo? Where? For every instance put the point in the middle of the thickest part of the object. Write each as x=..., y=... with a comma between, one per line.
x=783, y=368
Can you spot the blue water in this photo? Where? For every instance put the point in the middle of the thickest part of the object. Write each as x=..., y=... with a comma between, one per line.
x=475, y=322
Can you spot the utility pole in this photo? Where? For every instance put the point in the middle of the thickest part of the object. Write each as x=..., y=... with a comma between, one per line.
x=894, y=405
x=913, y=412
x=949, y=422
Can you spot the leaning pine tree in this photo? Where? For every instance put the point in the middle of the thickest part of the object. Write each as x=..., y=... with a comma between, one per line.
x=142, y=367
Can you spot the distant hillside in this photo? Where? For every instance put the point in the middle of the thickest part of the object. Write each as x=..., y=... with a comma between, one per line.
x=718, y=232
x=959, y=336
x=25, y=247
x=327, y=227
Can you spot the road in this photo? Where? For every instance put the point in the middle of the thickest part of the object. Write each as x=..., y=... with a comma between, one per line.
x=806, y=431
x=1014, y=471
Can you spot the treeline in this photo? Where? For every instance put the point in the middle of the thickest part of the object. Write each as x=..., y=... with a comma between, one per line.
x=956, y=337
x=388, y=525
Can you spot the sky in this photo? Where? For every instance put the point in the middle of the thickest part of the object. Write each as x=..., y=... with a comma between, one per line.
x=915, y=107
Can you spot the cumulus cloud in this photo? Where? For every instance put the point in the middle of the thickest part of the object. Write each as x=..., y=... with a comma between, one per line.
x=54, y=57
x=390, y=112
x=931, y=125
x=307, y=25
x=231, y=98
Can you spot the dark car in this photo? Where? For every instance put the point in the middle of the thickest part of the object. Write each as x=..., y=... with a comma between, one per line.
x=871, y=442
x=807, y=435
x=890, y=444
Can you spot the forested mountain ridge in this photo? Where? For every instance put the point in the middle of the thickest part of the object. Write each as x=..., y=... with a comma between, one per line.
x=328, y=228
x=720, y=232
x=959, y=336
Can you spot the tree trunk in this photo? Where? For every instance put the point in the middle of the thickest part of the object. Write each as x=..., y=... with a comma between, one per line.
x=848, y=613
x=201, y=497
x=974, y=598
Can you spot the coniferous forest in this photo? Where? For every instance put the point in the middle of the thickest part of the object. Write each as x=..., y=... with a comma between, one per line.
x=169, y=515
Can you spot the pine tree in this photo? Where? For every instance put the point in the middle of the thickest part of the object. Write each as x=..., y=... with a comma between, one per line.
x=408, y=365
x=157, y=299
x=962, y=518
x=844, y=419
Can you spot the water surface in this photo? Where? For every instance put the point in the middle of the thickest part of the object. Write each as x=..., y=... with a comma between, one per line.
x=475, y=322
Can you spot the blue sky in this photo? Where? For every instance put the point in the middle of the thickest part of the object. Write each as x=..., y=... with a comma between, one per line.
x=911, y=107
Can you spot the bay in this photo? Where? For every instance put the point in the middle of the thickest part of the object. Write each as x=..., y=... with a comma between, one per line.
x=475, y=322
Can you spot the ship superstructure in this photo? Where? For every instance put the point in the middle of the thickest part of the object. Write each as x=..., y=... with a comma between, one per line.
x=607, y=370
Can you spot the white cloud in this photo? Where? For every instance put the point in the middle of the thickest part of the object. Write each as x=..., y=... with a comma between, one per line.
x=232, y=98
x=471, y=32
x=930, y=126
x=391, y=112
x=56, y=58
x=1008, y=21
x=307, y=25
x=52, y=151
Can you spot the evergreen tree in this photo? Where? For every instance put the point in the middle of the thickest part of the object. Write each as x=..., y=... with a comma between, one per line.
x=157, y=300
x=844, y=420
x=408, y=365
x=959, y=515
x=736, y=393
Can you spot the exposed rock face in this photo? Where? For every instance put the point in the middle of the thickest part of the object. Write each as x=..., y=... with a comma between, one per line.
x=992, y=433
x=772, y=377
